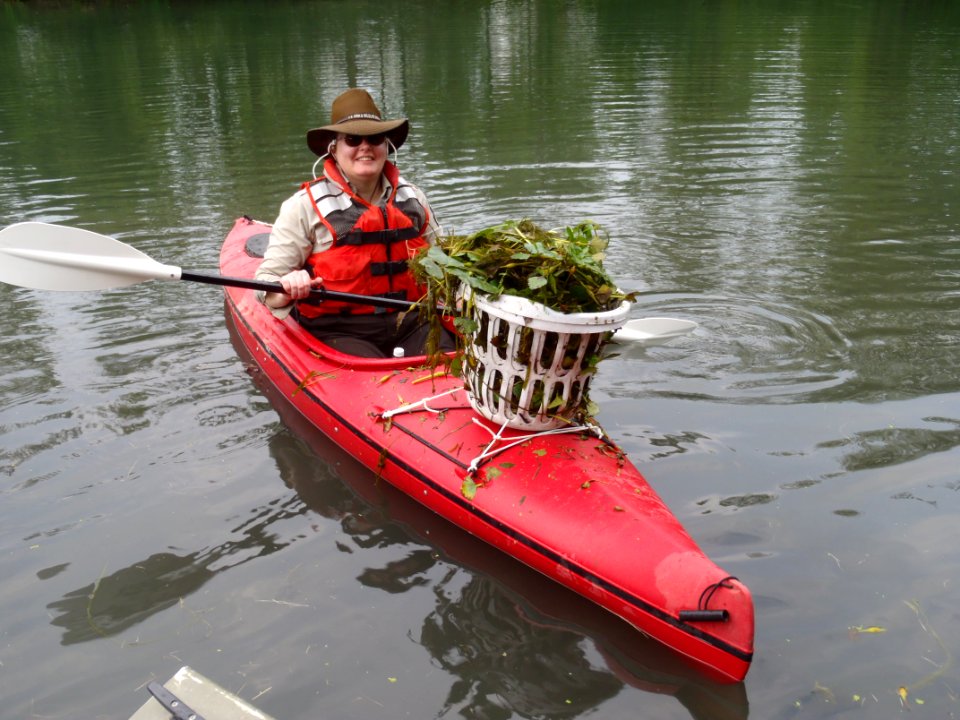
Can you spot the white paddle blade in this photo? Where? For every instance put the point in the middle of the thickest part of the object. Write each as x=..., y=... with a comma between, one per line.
x=44, y=256
x=647, y=332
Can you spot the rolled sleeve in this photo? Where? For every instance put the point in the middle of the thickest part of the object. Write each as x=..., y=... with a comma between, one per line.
x=292, y=241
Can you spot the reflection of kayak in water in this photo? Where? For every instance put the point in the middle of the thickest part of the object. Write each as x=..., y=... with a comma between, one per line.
x=569, y=505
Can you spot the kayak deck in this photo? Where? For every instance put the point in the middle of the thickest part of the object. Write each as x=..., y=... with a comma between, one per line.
x=569, y=504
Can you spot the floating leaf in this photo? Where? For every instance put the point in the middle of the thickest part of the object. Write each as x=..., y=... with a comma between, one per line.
x=824, y=692
x=869, y=630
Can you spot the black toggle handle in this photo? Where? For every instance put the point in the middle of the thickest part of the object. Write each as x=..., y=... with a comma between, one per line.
x=171, y=703
x=704, y=615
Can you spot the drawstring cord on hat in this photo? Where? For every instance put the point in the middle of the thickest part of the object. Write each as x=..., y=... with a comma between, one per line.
x=396, y=154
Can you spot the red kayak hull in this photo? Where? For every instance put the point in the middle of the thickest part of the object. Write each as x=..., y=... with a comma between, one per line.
x=571, y=506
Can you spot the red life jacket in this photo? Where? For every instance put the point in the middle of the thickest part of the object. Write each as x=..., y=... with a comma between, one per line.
x=371, y=243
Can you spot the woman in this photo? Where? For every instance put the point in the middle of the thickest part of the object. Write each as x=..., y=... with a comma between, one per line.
x=352, y=230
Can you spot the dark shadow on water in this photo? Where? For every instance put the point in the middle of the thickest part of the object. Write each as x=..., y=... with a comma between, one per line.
x=116, y=602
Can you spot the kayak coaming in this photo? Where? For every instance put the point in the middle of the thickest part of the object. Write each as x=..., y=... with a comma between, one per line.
x=570, y=506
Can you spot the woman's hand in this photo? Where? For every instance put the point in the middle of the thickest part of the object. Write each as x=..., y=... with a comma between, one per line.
x=296, y=286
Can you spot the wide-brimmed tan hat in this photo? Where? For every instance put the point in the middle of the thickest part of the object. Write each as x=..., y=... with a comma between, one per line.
x=355, y=113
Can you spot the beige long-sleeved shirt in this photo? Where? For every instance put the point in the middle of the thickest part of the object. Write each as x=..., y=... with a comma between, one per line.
x=298, y=233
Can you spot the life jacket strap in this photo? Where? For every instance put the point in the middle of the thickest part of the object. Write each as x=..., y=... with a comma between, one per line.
x=377, y=237
x=391, y=268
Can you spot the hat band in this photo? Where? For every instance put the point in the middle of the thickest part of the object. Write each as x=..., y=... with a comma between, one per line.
x=358, y=116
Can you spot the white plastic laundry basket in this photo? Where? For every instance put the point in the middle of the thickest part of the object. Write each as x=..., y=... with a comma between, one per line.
x=529, y=366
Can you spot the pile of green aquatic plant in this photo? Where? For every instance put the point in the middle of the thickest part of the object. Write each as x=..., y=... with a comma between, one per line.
x=561, y=269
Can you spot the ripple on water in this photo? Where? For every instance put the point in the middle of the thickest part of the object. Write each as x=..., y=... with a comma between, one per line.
x=745, y=350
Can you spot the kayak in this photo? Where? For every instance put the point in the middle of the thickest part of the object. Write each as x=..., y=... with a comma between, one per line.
x=566, y=502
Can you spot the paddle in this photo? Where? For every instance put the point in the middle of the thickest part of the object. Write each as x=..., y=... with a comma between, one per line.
x=43, y=256
x=654, y=330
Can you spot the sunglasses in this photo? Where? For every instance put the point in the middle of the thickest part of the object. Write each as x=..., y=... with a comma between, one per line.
x=373, y=140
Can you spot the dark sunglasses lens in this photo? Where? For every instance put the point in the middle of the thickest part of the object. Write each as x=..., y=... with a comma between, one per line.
x=355, y=140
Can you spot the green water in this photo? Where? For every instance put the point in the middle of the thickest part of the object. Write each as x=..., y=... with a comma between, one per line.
x=782, y=173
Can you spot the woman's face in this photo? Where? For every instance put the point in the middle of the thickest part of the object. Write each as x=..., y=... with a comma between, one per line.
x=361, y=163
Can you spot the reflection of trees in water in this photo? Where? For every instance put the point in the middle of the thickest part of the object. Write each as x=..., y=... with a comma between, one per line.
x=132, y=594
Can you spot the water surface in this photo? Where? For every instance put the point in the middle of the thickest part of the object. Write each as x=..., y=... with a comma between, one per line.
x=785, y=176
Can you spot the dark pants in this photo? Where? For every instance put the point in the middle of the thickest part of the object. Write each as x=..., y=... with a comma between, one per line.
x=374, y=335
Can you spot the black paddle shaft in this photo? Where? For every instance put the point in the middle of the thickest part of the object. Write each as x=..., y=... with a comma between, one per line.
x=277, y=287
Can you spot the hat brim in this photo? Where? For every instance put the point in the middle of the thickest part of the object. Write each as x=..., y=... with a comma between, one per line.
x=319, y=138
